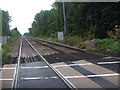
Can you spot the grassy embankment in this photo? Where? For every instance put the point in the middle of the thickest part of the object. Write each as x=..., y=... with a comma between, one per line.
x=7, y=48
x=108, y=44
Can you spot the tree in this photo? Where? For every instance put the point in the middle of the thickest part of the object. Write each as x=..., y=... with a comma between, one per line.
x=15, y=33
x=6, y=19
x=83, y=19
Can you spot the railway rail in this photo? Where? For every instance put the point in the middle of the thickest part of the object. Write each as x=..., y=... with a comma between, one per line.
x=44, y=64
x=77, y=65
x=105, y=60
x=20, y=79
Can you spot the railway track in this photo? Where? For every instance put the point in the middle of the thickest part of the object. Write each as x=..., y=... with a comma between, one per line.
x=43, y=64
x=105, y=60
x=80, y=70
x=33, y=67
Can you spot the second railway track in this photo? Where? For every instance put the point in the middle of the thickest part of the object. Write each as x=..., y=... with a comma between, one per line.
x=101, y=59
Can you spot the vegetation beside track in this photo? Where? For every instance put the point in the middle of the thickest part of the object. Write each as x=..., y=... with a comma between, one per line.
x=7, y=48
x=12, y=34
x=107, y=44
x=88, y=25
x=15, y=35
x=111, y=45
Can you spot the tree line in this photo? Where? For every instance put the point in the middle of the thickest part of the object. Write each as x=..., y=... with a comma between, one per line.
x=6, y=19
x=82, y=19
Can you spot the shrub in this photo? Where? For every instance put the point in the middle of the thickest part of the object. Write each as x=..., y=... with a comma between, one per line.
x=5, y=57
x=111, y=45
x=74, y=40
x=82, y=47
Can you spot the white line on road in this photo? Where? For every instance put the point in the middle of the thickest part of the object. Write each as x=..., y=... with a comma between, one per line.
x=108, y=62
x=7, y=68
x=36, y=78
x=34, y=67
x=6, y=79
x=85, y=64
x=72, y=65
x=101, y=75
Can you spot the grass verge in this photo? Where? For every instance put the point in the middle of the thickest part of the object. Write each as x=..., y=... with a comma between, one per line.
x=7, y=48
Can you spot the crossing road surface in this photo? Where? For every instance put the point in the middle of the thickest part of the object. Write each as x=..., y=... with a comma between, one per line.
x=84, y=74
x=38, y=75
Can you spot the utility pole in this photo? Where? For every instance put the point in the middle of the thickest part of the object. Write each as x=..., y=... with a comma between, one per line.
x=64, y=18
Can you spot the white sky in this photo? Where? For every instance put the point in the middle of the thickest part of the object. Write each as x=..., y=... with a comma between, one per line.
x=24, y=11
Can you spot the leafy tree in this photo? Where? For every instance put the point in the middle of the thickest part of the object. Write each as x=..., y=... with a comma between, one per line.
x=83, y=19
x=15, y=33
x=5, y=23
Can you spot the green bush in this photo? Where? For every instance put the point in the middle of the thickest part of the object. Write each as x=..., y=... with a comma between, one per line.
x=73, y=40
x=110, y=45
x=6, y=48
x=82, y=47
x=5, y=57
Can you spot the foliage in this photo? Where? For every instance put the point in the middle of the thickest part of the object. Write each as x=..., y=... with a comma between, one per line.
x=5, y=57
x=72, y=40
x=26, y=34
x=82, y=19
x=10, y=42
x=15, y=33
x=111, y=45
x=5, y=23
x=82, y=46
x=7, y=48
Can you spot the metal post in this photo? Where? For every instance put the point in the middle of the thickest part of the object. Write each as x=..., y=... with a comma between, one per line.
x=64, y=18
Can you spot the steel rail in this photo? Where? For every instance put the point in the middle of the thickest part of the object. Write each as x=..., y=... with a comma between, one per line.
x=66, y=81
x=68, y=53
x=74, y=48
x=58, y=50
x=15, y=82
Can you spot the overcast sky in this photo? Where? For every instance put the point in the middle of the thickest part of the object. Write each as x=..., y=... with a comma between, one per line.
x=23, y=11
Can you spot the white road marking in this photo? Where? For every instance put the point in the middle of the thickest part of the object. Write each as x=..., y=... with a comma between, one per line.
x=101, y=75
x=108, y=62
x=7, y=68
x=36, y=78
x=53, y=77
x=72, y=65
x=34, y=67
x=6, y=79
x=31, y=78
x=85, y=64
